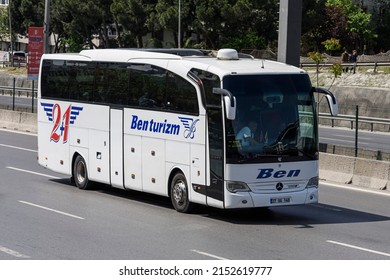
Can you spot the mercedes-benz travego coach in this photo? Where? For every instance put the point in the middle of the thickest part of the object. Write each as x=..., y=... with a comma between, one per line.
x=227, y=131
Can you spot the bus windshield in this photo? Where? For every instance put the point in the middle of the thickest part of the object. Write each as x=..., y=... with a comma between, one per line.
x=275, y=119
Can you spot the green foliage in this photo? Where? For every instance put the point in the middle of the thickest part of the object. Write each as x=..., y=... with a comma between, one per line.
x=84, y=20
x=332, y=44
x=205, y=23
x=347, y=4
x=336, y=69
x=26, y=13
x=132, y=15
x=72, y=44
x=246, y=41
x=317, y=57
x=4, y=23
x=359, y=23
x=382, y=24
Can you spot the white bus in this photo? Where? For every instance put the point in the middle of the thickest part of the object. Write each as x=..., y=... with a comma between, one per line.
x=226, y=131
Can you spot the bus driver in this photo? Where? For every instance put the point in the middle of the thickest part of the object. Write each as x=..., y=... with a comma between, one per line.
x=246, y=135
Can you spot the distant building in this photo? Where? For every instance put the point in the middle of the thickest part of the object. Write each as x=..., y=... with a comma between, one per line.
x=368, y=5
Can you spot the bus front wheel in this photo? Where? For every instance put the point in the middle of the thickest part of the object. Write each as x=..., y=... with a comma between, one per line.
x=179, y=194
x=80, y=173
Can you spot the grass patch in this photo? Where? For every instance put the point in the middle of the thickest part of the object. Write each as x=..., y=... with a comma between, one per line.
x=14, y=70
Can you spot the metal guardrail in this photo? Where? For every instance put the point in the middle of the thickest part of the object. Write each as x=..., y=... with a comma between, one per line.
x=20, y=89
x=27, y=91
x=352, y=119
x=375, y=65
x=16, y=63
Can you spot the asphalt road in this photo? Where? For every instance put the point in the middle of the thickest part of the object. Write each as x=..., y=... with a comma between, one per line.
x=345, y=137
x=42, y=216
x=23, y=102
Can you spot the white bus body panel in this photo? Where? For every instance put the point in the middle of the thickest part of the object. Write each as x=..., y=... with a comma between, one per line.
x=116, y=147
x=156, y=143
x=263, y=179
x=218, y=203
x=153, y=165
x=99, y=165
x=133, y=162
x=85, y=132
x=51, y=155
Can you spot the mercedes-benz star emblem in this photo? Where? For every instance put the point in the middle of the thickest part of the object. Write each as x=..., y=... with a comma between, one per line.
x=279, y=186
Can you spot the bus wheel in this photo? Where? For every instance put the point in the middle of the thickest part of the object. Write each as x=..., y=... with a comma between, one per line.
x=179, y=193
x=80, y=174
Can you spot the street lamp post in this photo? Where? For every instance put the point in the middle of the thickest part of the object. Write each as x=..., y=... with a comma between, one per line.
x=290, y=19
x=179, y=27
x=11, y=54
x=46, y=28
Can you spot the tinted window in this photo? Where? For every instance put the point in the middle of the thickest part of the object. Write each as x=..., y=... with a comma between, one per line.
x=209, y=81
x=135, y=85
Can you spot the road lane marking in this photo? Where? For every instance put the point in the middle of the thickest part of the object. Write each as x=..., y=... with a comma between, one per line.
x=207, y=254
x=52, y=210
x=32, y=172
x=13, y=253
x=359, y=248
x=352, y=136
x=18, y=148
x=341, y=140
x=354, y=188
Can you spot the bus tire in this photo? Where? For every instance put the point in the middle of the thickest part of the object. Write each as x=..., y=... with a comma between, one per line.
x=80, y=173
x=179, y=193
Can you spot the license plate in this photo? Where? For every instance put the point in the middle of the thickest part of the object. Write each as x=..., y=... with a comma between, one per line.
x=280, y=200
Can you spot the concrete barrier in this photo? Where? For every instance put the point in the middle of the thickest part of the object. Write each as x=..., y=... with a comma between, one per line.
x=336, y=168
x=21, y=121
x=371, y=173
x=360, y=172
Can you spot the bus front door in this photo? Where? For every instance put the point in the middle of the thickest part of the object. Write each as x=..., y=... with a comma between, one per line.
x=215, y=192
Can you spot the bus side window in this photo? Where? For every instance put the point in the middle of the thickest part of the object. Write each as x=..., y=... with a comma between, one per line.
x=146, y=85
x=155, y=87
x=209, y=81
x=135, y=87
x=100, y=93
x=62, y=84
x=87, y=81
x=181, y=95
x=117, y=84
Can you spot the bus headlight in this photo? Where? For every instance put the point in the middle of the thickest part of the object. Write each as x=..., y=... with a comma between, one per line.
x=233, y=186
x=313, y=183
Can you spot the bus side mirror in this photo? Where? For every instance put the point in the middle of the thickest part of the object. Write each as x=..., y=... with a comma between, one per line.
x=229, y=101
x=332, y=102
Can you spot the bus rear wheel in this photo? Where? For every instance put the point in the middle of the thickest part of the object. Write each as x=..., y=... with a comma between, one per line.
x=80, y=173
x=179, y=194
